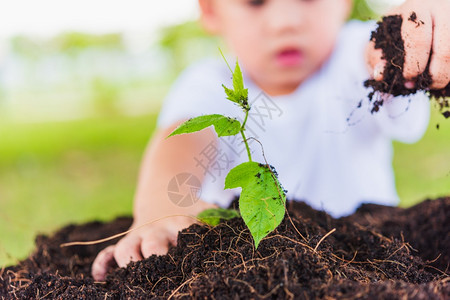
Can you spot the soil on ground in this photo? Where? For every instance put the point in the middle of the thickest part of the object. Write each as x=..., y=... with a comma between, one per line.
x=388, y=38
x=379, y=252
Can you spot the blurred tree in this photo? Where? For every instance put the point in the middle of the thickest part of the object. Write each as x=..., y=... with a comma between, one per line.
x=70, y=42
x=28, y=47
x=187, y=42
x=362, y=11
x=82, y=63
x=105, y=97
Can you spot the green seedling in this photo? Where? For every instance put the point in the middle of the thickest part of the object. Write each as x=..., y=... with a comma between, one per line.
x=212, y=216
x=262, y=200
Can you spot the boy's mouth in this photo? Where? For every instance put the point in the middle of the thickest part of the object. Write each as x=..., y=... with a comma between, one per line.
x=289, y=57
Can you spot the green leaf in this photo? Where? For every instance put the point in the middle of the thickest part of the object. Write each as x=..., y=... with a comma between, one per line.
x=224, y=126
x=213, y=216
x=238, y=94
x=238, y=80
x=231, y=95
x=262, y=200
x=238, y=84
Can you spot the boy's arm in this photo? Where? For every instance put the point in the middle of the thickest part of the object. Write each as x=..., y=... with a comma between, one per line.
x=429, y=40
x=163, y=160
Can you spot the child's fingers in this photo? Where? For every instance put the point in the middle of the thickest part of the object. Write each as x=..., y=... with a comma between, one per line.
x=157, y=240
x=155, y=243
x=417, y=30
x=375, y=62
x=440, y=58
x=379, y=70
x=128, y=249
x=102, y=263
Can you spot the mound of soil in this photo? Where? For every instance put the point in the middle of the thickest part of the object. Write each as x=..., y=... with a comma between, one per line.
x=378, y=252
x=388, y=38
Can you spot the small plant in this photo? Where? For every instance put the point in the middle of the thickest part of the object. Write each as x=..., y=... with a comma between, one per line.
x=262, y=200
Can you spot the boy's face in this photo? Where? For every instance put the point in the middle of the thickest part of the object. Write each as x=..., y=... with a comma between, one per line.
x=280, y=43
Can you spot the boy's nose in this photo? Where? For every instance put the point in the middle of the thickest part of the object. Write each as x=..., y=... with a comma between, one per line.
x=283, y=18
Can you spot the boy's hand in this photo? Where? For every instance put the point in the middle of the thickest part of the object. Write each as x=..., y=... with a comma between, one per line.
x=141, y=243
x=428, y=34
x=163, y=159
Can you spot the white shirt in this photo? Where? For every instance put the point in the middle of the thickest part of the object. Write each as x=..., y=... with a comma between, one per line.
x=327, y=147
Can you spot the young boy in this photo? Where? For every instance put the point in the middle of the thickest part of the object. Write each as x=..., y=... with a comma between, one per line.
x=304, y=68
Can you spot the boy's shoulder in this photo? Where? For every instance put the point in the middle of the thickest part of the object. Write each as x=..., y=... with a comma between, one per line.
x=348, y=53
x=354, y=35
x=209, y=67
x=203, y=77
x=358, y=28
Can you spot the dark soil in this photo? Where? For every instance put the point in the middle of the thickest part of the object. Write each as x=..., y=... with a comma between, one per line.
x=377, y=253
x=388, y=38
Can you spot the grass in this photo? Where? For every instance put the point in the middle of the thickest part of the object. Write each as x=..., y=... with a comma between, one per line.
x=57, y=173
x=52, y=174
x=422, y=170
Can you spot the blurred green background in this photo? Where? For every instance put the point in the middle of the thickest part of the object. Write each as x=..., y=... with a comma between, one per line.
x=77, y=110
